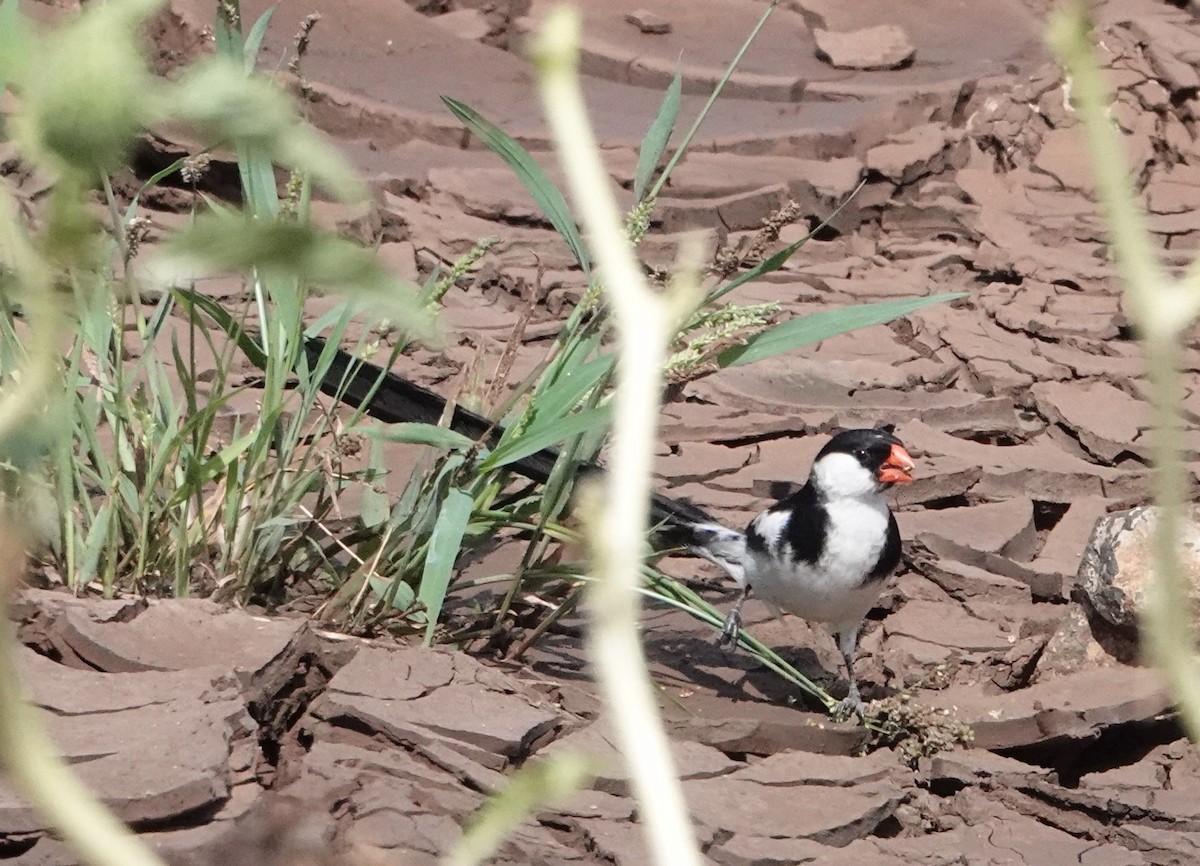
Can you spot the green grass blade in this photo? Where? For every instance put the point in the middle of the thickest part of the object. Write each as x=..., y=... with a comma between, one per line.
x=156, y=178
x=196, y=303
x=444, y=545
x=570, y=387
x=691, y=133
x=538, y=437
x=531, y=175
x=254, y=39
x=657, y=136
x=418, y=434
x=806, y=330
x=375, y=507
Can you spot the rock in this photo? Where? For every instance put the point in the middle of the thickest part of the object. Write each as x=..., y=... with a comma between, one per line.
x=882, y=47
x=910, y=155
x=159, y=746
x=693, y=760
x=1064, y=545
x=648, y=22
x=975, y=767
x=1074, y=646
x=1117, y=565
x=1106, y=420
x=1077, y=706
x=439, y=703
x=808, y=768
x=937, y=478
x=464, y=23
x=832, y=815
x=1005, y=528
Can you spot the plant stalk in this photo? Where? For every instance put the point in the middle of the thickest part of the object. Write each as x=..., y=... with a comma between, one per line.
x=1162, y=308
x=617, y=530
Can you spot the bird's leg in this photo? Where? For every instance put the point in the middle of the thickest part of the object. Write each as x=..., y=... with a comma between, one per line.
x=733, y=623
x=847, y=641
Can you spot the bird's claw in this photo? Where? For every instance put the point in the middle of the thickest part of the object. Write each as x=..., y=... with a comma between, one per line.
x=732, y=630
x=850, y=705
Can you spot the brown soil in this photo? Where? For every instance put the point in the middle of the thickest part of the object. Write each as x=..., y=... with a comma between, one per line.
x=229, y=738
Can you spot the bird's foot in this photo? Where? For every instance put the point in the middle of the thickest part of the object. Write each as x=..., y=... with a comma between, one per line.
x=732, y=629
x=850, y=705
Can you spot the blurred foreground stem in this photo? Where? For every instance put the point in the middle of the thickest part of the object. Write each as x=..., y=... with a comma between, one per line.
x=616, y=518
x=1162, y=309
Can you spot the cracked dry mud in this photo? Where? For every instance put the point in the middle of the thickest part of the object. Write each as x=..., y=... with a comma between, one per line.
x=229, y=738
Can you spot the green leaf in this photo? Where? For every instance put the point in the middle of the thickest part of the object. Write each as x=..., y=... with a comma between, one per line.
x=531, y=175
x=254, y=39
x=570, y=386
x=419, y=434
x=396, y=593
x=538, y=437
x=444, y=544
x=813, y=328
x=193, y=301
x=538, y=785
x=657, y=136
x=375, y=508
x=155, y=179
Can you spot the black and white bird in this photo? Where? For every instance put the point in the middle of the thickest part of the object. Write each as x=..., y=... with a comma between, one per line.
x=822, y=553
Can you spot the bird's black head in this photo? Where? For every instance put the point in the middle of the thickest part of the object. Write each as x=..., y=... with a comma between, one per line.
x=857, y=462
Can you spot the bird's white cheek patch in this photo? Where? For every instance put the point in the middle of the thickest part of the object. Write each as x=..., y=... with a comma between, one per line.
x=842, y=475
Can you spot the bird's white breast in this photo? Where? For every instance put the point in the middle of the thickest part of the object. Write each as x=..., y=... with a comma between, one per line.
x=834, y=589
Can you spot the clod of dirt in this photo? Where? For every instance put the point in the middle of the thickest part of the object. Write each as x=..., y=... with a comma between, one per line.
x=883, y=47
x=648, y=22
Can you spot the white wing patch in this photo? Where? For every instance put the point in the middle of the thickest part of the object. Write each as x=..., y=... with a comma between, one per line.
x=770, y=525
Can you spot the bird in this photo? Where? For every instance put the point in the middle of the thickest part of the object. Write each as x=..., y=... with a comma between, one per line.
x=823, y=553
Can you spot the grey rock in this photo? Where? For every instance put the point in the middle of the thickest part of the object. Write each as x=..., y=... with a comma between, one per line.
x=1117, y=566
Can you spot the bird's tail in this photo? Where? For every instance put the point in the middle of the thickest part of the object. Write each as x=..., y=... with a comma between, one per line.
x=711, y=541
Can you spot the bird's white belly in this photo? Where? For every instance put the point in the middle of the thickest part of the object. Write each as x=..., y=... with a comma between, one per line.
x=835, y=589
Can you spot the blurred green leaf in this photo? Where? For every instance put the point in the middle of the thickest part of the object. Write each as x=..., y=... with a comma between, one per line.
x=419, y=434
x=17, y=43
x=531, y=175
x=657, y=136
x=540, y=784
x=813, y=328
x=221, y=242
x=88, y=91
x=444, y=544
x=537, y=437
x=217, y=96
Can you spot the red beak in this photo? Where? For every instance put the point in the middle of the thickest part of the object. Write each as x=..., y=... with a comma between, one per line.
x=898, y=467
